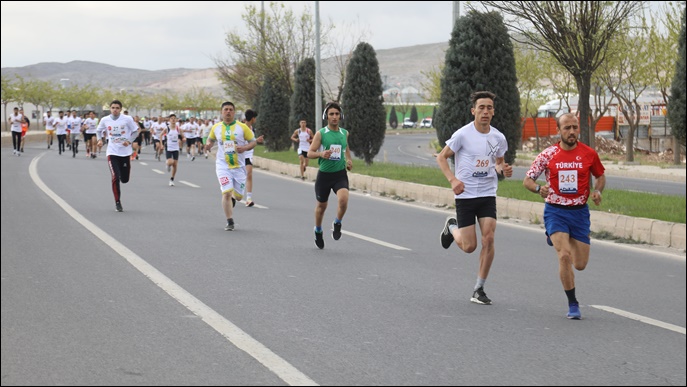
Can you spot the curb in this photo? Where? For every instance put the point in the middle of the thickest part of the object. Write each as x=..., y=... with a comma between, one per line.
x=652, y=231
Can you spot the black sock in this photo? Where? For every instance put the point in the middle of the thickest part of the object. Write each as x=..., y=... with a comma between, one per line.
x=571, y=296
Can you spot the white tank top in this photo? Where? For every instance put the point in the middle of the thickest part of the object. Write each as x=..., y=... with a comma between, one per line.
x=303, y=140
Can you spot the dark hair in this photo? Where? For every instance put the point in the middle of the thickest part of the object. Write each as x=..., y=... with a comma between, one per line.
x=227, y=103
x=60, y=112
x=116, y=102
x=481, y=94
x=330, y=105
x=250, y=114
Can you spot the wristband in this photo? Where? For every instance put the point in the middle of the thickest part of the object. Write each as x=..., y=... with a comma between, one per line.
x=597, y=191
x=536, y=190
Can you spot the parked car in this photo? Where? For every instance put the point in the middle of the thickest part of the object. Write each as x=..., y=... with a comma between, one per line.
x=407, y=123
x=426, y=122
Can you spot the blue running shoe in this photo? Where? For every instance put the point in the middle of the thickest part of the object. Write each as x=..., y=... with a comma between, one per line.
x=548, y=239
x=574, y=311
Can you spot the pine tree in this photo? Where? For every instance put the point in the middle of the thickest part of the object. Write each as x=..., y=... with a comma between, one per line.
x=273, y=117
x=393, y=118
x=480, y=57
x=676, y=103
x=362, y=103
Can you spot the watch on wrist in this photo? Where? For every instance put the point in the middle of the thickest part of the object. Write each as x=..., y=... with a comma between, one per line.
x=537, y=189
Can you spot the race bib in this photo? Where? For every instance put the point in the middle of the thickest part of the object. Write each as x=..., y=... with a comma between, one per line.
x=336, y=152
x=480, y=166
x=229, y=147
x=567, y=182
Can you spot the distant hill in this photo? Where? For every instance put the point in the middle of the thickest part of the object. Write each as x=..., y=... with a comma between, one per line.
x=401, y=66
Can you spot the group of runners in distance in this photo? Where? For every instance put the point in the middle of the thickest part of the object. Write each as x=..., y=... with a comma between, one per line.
x=573, y=173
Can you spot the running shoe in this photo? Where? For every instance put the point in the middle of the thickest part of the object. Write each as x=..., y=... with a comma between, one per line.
x=171, y=183
x=193, y=158
x=233, y=202
x=479, y=297
x=319, y=240
x=250, y=203
x=336, y=233
x=574, y=311
x=446, y=236
x=169, y=168
x=230, y=225
x=118, y=207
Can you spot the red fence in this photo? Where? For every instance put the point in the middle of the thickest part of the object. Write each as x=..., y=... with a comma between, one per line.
x=547, y=126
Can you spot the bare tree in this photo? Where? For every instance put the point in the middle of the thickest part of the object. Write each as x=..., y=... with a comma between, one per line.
x=342, y=41
x=576, y=33
x=627, y=74
x=272, y=43
x=663, y=49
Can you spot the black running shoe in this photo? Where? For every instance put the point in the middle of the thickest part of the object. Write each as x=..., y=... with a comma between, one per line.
x=479, y=297
x=233, y=202
x=319, y=240
x=336, y=234
x=118, y=207
x=446, y=236
x=230, y=225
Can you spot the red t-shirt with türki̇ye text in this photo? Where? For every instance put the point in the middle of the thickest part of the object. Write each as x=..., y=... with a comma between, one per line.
x=567, y=173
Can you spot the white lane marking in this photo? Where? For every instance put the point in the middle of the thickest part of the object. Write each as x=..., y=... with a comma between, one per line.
x=255, y=205
x=280, y=367
x=373, y=240
x=143, y=163
x=189, y=184
x=643, y=319
x=158, y=171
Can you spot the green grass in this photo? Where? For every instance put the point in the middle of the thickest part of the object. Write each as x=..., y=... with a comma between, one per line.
x=636, y=204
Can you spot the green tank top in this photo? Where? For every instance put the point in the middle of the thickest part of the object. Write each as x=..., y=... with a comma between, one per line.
x=336, y=141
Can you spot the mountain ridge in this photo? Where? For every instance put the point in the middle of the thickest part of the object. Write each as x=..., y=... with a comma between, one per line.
x=399, y=67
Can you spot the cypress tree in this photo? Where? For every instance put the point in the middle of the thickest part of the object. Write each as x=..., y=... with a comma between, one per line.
x=676, y=102
x=393, y=118
x=303, y=98
x=413, y=114
x=362, y=103
x=273, y=117
x=480, y=57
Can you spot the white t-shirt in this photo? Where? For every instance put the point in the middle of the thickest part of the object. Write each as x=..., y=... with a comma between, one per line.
x=91, y=125
x=49, y=122
x=16, y=122
x=118, y=131
x=173, y=139
x=60, y=125
x=75, y=124
x=476, y=155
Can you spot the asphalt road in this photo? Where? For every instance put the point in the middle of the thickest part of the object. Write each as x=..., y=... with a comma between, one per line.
x=160, y=294
x=414, y=149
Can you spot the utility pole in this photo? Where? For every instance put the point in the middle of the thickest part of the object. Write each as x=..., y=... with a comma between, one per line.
x=318, y=89
x=456, y=11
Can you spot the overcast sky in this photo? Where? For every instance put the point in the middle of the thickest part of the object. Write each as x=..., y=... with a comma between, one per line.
x=153, y=35
x=163, y=35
